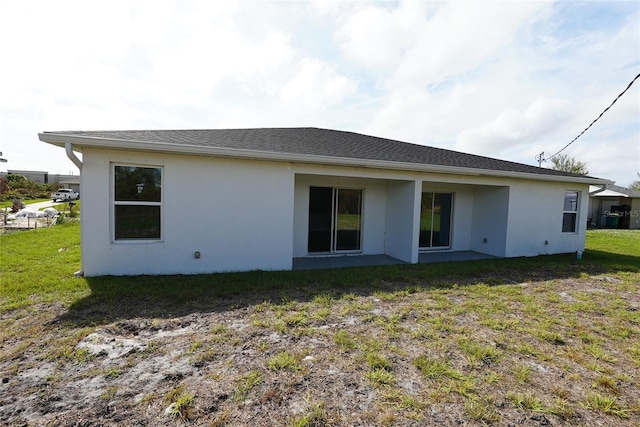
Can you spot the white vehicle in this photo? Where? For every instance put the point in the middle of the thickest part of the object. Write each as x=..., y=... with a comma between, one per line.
x=65, y=194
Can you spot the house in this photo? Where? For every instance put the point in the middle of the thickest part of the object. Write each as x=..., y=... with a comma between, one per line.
x=613, y=206
x=64, y=181
x=199, y=201
x=37, y=176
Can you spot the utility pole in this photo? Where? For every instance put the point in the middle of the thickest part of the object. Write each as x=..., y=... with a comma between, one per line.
x=540, y=159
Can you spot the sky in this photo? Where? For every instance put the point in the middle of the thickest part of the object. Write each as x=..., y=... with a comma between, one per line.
x=505, y=79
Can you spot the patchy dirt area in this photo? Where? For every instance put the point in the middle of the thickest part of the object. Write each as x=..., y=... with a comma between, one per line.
x=546, y=353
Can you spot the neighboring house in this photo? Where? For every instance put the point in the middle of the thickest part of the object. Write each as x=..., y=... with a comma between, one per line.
x=37, y=176
x=613, y=206
x=64, y=181
x=199, y=201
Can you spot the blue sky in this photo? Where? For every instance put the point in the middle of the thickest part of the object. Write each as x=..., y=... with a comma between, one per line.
x=502, y=79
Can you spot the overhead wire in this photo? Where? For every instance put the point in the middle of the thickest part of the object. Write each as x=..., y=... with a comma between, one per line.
x=597, y=118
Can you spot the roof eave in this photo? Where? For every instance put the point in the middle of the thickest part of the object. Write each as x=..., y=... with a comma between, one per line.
x=160, y=147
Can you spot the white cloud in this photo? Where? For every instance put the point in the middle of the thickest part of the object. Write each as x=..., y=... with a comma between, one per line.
x=317, y=85
x=213, y=53
x=514, y=128
x=423, y=44
x=459, y=37
x=606, y=161
x=452, y=65
x=377, y=36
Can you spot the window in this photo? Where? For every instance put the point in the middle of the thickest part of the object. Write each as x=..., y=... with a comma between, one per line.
x=570, y=212
x=335, y=219
x=435, y=220
x=137, y=202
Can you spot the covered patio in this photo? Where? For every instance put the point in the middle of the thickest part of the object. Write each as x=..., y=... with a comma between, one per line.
x=341, y=261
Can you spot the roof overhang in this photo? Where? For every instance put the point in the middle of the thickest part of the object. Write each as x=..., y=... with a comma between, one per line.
x=60, y=139
x=610, y=193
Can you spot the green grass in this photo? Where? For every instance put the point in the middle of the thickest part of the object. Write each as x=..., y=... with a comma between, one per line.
x=614, y=249
x=283, y=361
x=37, y=266
x=380, y=377
x=438, y=370
x=606, y=404
x=526, y=401
x=614, y=241
x=245, y=384
x=181, y=406
x=314, y=417
x=481, y=410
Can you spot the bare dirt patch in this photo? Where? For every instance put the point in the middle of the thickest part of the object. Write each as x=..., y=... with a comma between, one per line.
x=540, y=353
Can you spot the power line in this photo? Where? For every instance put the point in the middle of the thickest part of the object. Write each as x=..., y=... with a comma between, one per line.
x=601, y=114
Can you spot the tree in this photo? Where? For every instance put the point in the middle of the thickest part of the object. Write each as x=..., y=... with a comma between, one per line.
x=635, y=185
x=17, y=181
x=15, y=186
x=565, y=163
x=4, y=185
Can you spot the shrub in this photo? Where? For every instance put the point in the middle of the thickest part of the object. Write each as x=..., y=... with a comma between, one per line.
x=19, y=187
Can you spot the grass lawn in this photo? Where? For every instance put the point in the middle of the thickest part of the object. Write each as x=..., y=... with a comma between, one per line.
x=529, y=341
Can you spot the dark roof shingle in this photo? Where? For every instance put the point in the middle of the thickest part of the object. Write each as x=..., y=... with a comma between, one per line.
x=317, y=142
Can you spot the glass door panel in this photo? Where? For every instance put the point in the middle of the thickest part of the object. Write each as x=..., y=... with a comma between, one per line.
x=441, y=219
x=335, y=219
x=435, y=220
x=426, y=220
x=348, y=219
x=320, y=219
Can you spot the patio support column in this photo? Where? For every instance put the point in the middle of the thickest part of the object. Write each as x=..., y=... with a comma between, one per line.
x=403, y=220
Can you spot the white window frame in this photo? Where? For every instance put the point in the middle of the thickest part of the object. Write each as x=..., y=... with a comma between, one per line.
x=574, y=212
x=114, y=203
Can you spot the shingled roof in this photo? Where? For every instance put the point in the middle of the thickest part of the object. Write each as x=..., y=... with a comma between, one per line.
x=309, y=142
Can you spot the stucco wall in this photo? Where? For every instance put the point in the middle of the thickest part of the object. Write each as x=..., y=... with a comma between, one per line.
x=237, y=214
x=245, y=215
x=489, y=220
x=402, y=224
x=535, y=217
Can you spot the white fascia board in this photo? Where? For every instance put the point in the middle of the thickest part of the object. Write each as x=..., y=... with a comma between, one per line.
x=161, y=147
x=610, y=193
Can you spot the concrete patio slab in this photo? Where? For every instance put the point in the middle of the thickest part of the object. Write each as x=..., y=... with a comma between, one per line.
x=341, y=261
x=452, y=256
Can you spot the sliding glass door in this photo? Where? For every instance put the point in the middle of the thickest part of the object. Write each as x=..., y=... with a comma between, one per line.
x=335, y=219
x=435, y=220
x=348, y=219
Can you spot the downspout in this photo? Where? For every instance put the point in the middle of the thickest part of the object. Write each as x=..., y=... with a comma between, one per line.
x=599, y=190
x=76, y=161
x=72, y=156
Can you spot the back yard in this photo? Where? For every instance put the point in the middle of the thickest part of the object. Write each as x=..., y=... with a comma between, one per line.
x=533, y=342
